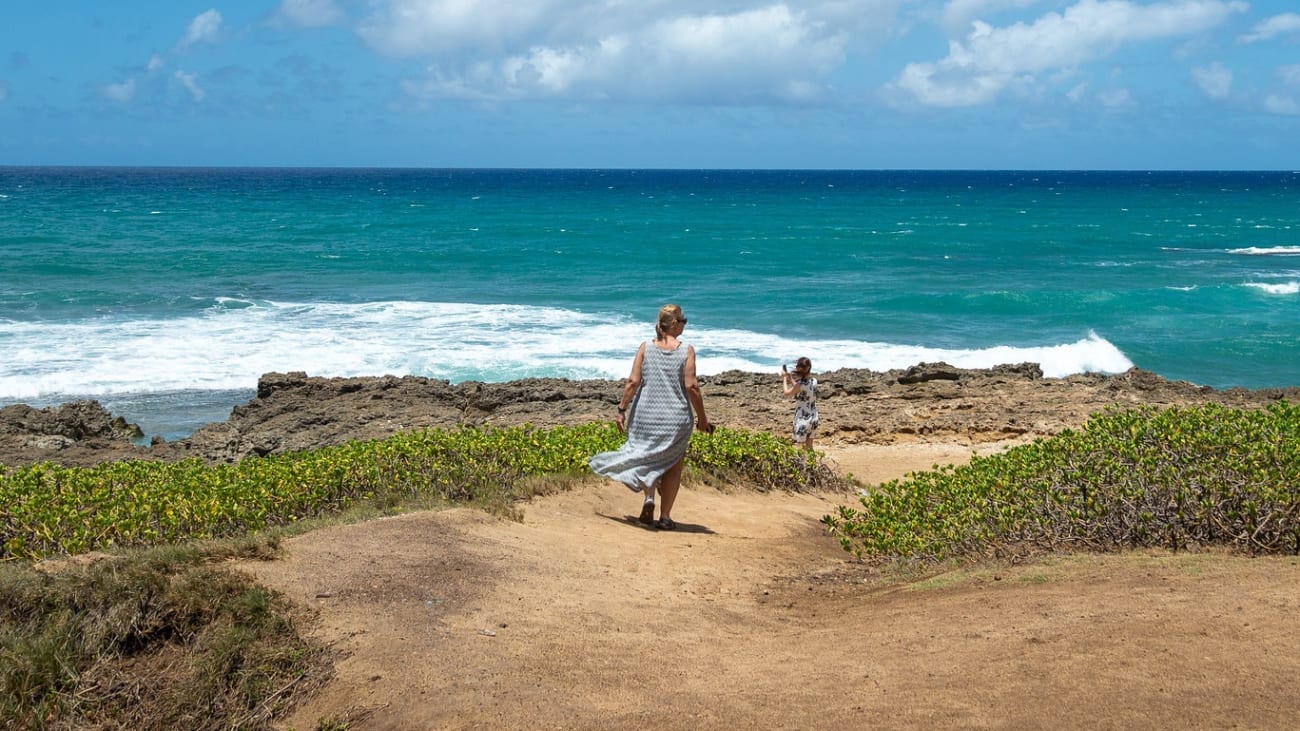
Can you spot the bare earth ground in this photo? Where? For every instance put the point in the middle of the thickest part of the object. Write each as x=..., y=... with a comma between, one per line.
x=751, y=616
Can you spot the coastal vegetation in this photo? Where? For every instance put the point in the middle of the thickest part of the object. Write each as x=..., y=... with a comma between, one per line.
x=136, y=625
x=1177, y=478
x=161, y=638
x=50, y=510
x=134, y=622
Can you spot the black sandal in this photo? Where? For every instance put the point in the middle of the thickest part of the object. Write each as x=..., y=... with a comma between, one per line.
x=647, y=514
x=666, y=524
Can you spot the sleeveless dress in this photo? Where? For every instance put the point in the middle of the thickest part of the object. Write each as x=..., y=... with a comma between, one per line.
x=658, y=423
x=806, y=419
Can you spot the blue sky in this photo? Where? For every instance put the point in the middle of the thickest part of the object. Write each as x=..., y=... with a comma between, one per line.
x=868, y=84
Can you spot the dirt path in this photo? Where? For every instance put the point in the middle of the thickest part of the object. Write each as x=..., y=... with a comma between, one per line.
x=751, y=616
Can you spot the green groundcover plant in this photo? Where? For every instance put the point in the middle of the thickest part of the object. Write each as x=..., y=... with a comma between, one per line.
x=1176, y=477
x=47, y=509
x=156, y=634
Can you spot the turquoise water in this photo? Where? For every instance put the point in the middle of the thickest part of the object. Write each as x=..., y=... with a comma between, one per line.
x=167, y=292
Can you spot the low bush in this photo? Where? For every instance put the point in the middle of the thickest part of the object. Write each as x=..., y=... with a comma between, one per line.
x=154, y=640
x=1175, y=477
x=47, y=509
x=759, y=460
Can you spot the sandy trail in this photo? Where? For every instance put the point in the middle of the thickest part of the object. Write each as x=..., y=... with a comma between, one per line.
x=751, y=616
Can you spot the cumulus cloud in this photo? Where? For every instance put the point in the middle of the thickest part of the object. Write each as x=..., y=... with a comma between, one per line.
x=430, y=27
x=122, y=92
x=1285, y=103
x=1281, y=104
x=1115, y=99
x=203, y=29
x=1284, y=24
x=1215, y=80
x=959, y=14
x=191, y=83
x=989, y=60
x=310, y=13
x=755, y=51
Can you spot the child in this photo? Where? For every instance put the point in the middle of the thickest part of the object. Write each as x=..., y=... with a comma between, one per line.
x=804, y=389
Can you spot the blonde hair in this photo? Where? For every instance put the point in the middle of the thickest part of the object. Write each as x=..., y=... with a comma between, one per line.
x=668, y=314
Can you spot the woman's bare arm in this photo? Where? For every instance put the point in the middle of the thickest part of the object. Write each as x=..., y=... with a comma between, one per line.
x=630, y=386
x=693, y=391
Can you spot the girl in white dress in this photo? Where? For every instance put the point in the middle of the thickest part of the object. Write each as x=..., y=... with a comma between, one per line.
x=803, y=387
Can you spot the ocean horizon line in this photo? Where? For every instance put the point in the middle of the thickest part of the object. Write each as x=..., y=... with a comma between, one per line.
x=507, y=168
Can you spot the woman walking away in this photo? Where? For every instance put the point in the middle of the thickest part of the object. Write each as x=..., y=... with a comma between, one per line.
x=655, y=413
x=803, y=387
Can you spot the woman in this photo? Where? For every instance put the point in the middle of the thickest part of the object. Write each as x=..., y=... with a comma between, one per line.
x=655, y=413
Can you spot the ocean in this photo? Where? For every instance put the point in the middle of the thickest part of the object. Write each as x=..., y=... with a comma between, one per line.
x=166, y=292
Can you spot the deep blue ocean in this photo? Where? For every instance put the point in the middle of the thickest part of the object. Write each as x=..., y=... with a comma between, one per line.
x=165, y=293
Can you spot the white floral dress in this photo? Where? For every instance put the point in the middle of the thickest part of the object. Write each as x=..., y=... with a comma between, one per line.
x=806, y=419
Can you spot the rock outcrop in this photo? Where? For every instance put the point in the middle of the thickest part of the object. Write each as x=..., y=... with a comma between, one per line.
x=76, y=424
x=927, y=402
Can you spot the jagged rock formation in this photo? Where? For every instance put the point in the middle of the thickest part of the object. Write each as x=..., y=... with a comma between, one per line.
x=927, y=402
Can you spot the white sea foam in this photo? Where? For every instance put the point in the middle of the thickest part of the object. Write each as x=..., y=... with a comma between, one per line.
x=1283, y=288
x=234, y=342
x=1267, y=251
x=734, y=350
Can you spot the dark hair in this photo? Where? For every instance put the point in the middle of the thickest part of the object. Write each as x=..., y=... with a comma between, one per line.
x=803, y=364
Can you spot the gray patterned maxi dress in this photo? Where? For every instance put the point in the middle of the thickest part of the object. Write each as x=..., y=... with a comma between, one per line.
x=658, y=423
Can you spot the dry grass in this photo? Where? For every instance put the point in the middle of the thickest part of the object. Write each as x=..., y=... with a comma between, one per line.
x=158, y=639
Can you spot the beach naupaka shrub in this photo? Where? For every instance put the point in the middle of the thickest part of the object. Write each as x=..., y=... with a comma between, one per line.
x=1178, y=477
x=760, y=460
x=47, y=509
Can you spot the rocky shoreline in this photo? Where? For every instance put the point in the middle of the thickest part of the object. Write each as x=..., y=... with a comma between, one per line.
x=929, y=402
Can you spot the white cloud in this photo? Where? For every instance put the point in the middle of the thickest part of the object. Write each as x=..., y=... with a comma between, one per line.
x=1279, y=104
x=959, y=14
x=203, y=29
x=989, y=60
x=1115, y=99
x=191, y=83
x=1275, y=26
x=122, y=92
x=1215, y=80
x=310, y=13
x=665, y=51
x=1284, y=103
x=430, y=27
x=155, y=62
